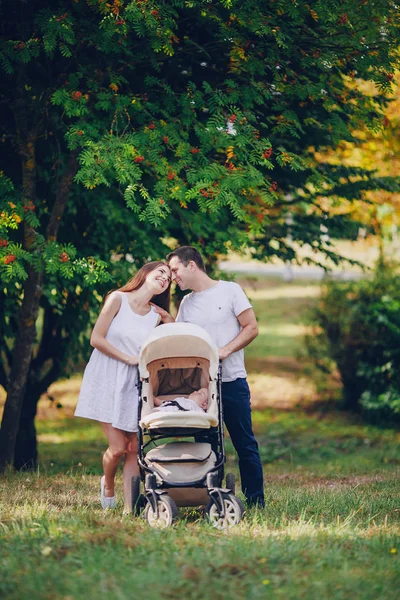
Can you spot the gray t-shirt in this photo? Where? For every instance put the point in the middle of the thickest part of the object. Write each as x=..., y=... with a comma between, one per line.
x=216, y=310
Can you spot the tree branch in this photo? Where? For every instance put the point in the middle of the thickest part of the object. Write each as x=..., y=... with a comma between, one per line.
x=62, y=195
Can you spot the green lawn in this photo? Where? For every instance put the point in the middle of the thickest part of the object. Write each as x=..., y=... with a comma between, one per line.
x=280, y=309
x=330, y=529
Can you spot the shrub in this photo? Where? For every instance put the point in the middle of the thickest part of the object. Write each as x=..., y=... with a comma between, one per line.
x=357, y=331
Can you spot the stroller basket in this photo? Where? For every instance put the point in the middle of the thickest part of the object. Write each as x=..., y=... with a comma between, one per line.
x=181, y=462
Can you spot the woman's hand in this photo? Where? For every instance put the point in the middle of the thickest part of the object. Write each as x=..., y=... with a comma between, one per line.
x=164, y=314
x=133, y=361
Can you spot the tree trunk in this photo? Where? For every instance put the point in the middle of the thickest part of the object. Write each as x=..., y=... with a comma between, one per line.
x=19, y=371
x=39, y=378
x=33, y=289
x=25, y=456
x=25, y=338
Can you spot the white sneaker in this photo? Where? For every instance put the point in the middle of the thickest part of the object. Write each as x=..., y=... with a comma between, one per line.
x=106, y=503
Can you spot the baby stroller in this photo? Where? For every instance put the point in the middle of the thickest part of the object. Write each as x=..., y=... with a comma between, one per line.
x=187, y=469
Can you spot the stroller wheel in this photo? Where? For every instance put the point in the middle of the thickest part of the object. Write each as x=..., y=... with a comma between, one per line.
x=233, y=512
x=138, y=499
x=167, y=513
x=230, y=482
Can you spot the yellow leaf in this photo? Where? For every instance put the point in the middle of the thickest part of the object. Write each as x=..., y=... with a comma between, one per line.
x=230, y=152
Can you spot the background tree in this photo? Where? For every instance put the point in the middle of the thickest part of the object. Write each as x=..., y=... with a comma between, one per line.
x=198, y=115
x=379, y=153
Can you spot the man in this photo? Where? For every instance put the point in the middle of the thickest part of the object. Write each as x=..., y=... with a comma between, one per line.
x=223, y=309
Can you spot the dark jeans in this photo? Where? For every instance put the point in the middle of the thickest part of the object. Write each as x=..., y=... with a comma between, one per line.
x=237, y=417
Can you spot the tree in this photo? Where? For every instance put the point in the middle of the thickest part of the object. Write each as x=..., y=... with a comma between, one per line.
x=377, y=152
x=199, y=115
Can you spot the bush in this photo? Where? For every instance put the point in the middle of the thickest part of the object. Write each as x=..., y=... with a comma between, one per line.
x=357, y=331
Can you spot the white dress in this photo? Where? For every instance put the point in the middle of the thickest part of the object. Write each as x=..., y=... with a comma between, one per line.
x=109, y=390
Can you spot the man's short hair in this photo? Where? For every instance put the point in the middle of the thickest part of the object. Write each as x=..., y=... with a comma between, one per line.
x=187, y=253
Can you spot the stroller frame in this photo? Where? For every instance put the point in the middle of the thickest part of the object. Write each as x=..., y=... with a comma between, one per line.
x=214, y=436
x=155, y=497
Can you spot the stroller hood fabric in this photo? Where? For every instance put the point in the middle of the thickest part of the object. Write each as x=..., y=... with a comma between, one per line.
x=176, y=340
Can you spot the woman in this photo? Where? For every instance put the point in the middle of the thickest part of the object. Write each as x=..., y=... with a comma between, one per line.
x=109, y=391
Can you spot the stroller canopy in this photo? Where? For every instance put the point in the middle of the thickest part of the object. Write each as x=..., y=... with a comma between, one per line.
x=178, y=340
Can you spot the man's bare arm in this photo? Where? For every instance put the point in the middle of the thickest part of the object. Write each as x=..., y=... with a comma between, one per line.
x=247, y=320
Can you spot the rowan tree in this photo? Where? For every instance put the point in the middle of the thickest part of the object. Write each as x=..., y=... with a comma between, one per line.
x=195, y=115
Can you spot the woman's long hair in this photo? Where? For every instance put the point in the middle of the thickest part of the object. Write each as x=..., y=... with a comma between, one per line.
x=162, y=300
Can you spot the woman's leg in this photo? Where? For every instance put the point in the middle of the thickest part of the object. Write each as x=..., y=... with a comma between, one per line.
x=131, y=468
x=117, y=444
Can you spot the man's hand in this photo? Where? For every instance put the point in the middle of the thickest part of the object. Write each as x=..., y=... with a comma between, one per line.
x=247, y=320
x=164, y=314
x=223, y=353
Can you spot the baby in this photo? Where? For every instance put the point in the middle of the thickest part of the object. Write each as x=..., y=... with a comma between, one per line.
x=197, y=400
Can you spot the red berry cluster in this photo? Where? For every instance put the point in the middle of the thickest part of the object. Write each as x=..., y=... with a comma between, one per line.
x=152, y=126
x=62, y=17
x=230, y=166
x=29, y=206
x=232, y=118
x=20, y=46
x=343, y=19
x=165, y=139
x=139, y=159
x=76, y=95
x=274, y=186
x=120, y=22
x=64, y=257
x=267, y=153
x=155, y=12
x=3, y=243
x=171, y=175
x=195, y=150
x=9, y=259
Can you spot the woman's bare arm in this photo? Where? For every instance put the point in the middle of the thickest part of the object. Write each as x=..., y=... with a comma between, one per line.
x=98, y=337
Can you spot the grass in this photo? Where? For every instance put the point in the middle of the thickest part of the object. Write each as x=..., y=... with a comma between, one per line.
x=280, y=309
x=330, y=528
x=279, y=375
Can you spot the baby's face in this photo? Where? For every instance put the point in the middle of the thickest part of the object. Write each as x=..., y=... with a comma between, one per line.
x=200, y=396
